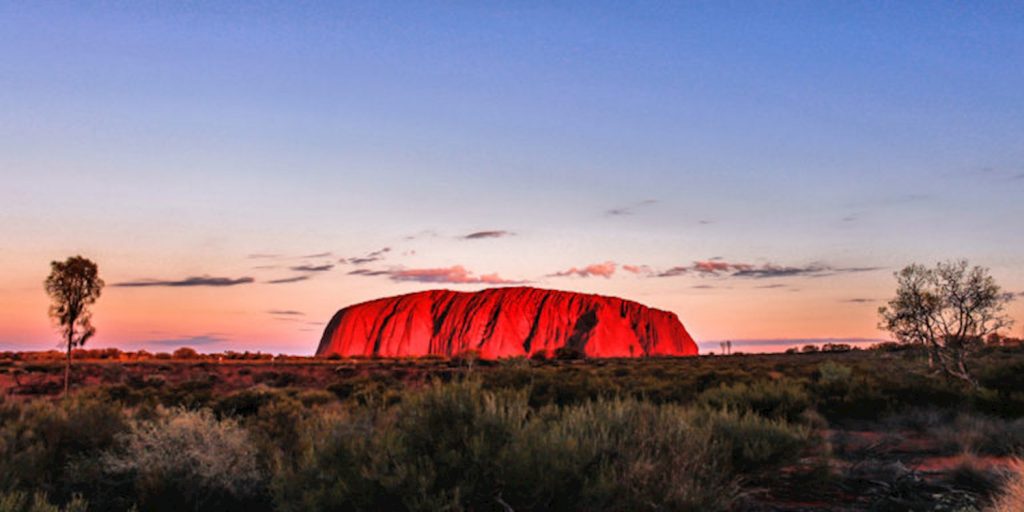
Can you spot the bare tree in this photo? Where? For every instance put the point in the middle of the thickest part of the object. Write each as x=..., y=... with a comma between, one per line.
x=73, y=286
x=949, y=310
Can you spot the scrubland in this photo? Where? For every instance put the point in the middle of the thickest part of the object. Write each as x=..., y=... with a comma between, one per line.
x=856, y=430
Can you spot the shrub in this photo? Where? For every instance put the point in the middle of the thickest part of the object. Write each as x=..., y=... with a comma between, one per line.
x=39, y=441
x=460, y=447
x=246, y=402
x=447, y=443
x=834, y=374
x=971, y=433
x=617, y=454
x=185, y=353
x=183, y=459
x=20, y=502
x=755, y=444
x=1011, y=497
x=782, y=399
x=539, y=356
x=567, y=353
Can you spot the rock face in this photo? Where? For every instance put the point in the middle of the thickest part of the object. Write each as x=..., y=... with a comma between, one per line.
x=503, y=322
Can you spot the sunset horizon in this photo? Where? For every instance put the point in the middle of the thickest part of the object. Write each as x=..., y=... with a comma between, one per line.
x=579, y=256
x=760, y=172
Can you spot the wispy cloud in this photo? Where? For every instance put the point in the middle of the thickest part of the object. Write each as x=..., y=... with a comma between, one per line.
x=448, y=275
x=703, y=287
x=312, y=268
x=890, y=201
x=713, y=266
x=995, y=175
x=368, y=272
x=859, y=300
x=672, y=272
x=427, y=233
x=637, y=269
x=770, y=286
x=188, y=281
x=478, y=235
x=369, y=258
x=284, y=280
x=278, y=256
x=769, y=271
x=285, y=312
x=605, y=270
x=630, y=209
x=719, y=267
x=188, y=341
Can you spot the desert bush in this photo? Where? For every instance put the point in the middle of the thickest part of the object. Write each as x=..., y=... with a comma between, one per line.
x=43, y=444
x=18, y=501
x=459, y=446
x=329, y=473
x=782, y=399
x=978, y=434
x=186, y=459
x=315, y=397
x=567, y=353
x=185, y=353
x=246, y=402
x=276, y=379
x=833, y=374
x=446, y=445
x=618, y=454
x=1011, y=497
x=193, y=393
x=975, y=476
x=755, y=444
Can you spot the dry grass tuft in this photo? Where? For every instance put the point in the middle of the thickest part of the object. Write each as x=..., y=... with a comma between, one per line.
x=1011, y=497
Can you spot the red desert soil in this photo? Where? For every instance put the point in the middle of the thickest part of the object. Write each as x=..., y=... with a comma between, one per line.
x=504, y=322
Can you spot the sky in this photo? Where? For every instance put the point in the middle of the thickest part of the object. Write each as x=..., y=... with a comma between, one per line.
x=240, y=171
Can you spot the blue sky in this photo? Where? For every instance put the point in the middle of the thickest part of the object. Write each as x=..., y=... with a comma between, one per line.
x=174, y=140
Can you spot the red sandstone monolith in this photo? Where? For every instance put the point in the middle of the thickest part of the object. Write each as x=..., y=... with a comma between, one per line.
x=504, y=322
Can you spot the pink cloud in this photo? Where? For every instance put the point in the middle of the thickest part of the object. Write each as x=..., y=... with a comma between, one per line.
x=637, y=269
x=604, y=270
x=450, y=275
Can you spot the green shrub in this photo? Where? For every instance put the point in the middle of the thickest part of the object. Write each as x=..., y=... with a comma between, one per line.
x=755, y=444
x=460, y=447
x=183, y=459
x=617, y=454
x=977, y=434
x=40, y=439
x=246, y=402
x=781, y=399
x=446, y=445
x=834, y=374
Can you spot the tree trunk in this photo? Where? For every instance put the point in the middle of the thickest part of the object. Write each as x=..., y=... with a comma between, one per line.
x=67, y=365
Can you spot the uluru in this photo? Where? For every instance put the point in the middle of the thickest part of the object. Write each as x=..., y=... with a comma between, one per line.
x=504, y=322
